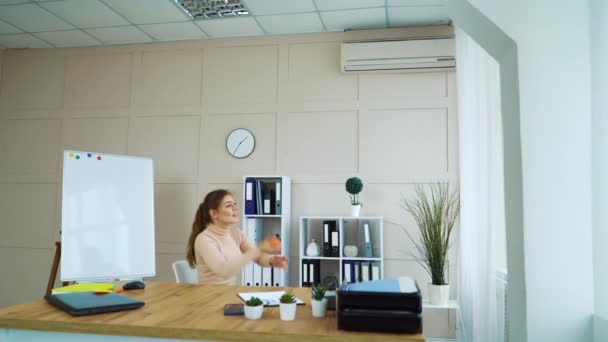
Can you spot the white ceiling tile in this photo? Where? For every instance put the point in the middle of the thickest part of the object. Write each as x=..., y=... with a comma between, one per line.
x=332, y=5
x=232, y=27
x=265, y=7
x=6, y=28
x=85, y=13
x=148, y=11
x=417, y=2
x=291, y=23
x=355, y=19
x=31, y=18
x=68, y=38
x=173, y=31
x=417, y=15
x=120, y=35
x=25, y=40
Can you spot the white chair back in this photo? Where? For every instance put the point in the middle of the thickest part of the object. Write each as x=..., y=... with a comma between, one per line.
x=184, y=273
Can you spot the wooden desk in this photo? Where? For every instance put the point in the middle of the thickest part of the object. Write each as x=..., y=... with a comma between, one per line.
x=194, y=312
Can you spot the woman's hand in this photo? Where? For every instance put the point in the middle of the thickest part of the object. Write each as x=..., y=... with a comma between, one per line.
x=270, y=245
x=279, y=261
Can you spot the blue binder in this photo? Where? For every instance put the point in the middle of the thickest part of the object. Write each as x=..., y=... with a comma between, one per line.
x=250, y=196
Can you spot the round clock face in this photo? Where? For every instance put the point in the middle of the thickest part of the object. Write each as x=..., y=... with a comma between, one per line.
x=240, y=143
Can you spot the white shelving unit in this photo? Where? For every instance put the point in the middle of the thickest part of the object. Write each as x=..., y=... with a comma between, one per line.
x=350, y=233
x=271, y=224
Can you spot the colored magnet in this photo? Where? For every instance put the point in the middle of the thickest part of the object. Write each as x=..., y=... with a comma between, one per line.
x=71, y=155
x=98, y=157
x=89, y=155
x=77, y=157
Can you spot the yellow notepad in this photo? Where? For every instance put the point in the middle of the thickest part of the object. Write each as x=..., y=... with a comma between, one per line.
x=85, y=287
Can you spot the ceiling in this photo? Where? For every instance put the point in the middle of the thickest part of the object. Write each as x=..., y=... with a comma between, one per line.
x=71, y=23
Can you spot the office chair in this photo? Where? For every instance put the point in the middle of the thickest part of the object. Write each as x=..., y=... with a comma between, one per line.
x=183, y=272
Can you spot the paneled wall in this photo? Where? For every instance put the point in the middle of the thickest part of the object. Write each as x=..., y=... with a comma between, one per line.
x=176, y=102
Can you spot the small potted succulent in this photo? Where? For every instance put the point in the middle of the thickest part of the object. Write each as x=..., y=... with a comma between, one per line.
x=354, y=186
x=287, y=307
x=254, y=308
x=319, y=302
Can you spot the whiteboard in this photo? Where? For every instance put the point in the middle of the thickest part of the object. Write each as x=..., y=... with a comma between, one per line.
x=107, y=217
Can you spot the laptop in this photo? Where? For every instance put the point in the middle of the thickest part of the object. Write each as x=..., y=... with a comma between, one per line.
x=89, y=303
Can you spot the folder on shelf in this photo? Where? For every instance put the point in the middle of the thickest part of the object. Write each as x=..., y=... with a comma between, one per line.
x=348, y=271
x=365, y=271
x=268, y=202
x=277, y=198
x=326, y=239
x=357, y=271
x=266, y=276
x=258, y=196
x=314, y=272
x=367, y=240
x=305, y=282
x=257, y=275
x=254, y=230
x=335, y=241
x=278, y=276
x=248, y=274
x=250, y=199
x=375, y=270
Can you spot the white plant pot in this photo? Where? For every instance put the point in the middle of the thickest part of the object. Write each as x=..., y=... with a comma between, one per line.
x=254, y=312
x=287, y=311
x=439, y=294
x=354, y=210
x=319, y=307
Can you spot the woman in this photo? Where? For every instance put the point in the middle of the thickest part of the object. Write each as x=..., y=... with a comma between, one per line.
x=218, y=249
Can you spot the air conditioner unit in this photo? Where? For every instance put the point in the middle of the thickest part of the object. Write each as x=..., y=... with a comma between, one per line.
x=408, y=55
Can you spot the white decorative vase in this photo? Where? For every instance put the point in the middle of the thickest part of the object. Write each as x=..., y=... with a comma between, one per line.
x=254, y=312
x=350, y=251
x=354, y=210
x=313, y=248
x=439, y=294
x=319, y=307
x=287, y=311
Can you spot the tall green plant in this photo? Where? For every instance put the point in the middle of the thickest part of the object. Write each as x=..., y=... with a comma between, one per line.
x=435, y=213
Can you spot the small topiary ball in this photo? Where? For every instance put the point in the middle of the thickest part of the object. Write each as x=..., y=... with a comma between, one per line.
x=354, y=185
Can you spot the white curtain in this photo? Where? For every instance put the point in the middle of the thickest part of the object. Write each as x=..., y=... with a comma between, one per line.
x=482, y=227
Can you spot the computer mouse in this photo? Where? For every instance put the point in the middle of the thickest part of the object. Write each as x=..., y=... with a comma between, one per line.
x=134, y=285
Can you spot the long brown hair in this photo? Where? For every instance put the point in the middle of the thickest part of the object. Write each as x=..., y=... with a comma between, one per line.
x=202, y=219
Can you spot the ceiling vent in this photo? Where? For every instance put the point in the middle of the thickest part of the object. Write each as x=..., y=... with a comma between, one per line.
x=212, y=9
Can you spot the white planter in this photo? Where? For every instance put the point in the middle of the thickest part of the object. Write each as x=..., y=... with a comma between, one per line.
x=254, y=312
x=287, y=311
x=354, y=210
x=319, y=307
x=439, y=294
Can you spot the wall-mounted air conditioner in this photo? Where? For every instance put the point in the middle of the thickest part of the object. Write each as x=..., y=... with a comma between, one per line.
x=408, y=55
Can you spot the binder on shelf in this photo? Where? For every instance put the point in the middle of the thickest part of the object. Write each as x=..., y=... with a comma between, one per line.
x=278, y=276
x=326, y=239
x=257, y=275
x=254, y=230
x=305, y=269
x=335, y=241
x=348, y=271
x=277, y=198
x=365, y=271
x=357, y=271
x=250, y=196
x=258, y=196
x=268, y=209
x=248, y=274
x=314, y=272
x=266, y=276
x=367, y=240
x=375, y=270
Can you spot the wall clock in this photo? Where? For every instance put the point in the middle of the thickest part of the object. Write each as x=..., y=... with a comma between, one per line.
x=240, y=143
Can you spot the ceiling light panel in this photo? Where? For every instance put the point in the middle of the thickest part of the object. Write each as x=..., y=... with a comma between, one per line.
x=212, y=9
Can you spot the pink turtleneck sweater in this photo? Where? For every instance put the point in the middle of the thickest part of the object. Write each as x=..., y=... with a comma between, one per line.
x=221, y=254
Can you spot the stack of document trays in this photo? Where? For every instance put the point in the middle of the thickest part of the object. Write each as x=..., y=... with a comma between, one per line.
x=387, y=305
